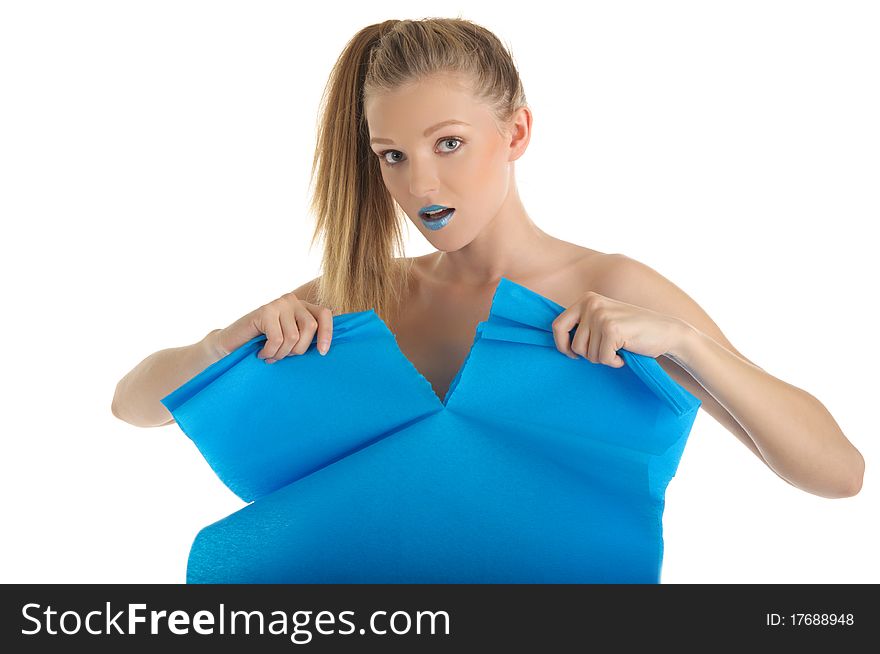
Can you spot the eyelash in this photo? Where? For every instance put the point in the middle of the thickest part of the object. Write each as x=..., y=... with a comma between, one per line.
x=384, y=161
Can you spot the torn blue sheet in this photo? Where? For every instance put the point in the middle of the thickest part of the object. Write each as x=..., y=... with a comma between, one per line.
x=535, y=468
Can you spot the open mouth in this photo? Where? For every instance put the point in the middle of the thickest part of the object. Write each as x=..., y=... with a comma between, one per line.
x=437, y=215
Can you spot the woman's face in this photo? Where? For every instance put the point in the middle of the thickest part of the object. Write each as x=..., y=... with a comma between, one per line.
x=461, y=166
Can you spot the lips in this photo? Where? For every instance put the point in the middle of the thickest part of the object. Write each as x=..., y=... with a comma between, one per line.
x=437, y=216
x=441, y=216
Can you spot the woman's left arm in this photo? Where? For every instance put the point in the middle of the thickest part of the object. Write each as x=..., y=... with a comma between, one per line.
x=637, y=308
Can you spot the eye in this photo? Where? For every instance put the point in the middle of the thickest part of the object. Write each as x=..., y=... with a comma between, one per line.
x=452, y=140
x=449, y=139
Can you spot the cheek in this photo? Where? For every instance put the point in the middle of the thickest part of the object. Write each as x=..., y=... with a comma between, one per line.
x=488, y=167
x=481, y=167
x=487, y=179
x=394, y=184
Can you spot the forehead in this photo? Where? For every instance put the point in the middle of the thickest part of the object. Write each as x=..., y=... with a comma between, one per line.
x=408, y=110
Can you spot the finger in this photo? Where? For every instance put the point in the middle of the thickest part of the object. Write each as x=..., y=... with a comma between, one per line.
x=562, y=327
x=291, y=331
x=581, y=340
x=307, y=327
x=325, y=329
x=596, y=336
x=271, y=327
x=607, y=352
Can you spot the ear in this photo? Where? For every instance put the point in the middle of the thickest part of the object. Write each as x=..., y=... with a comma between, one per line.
x=519, y=132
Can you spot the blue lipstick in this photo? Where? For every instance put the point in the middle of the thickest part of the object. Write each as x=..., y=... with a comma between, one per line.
x=442, y=218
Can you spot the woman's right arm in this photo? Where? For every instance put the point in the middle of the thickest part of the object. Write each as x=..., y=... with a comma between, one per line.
x=138, y=394
x=289, y=324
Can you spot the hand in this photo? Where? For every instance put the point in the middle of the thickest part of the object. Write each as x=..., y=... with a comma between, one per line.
x=606, y=325
x=288, y=323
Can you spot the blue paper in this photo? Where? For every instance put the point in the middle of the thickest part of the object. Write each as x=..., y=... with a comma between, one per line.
x=535, y=468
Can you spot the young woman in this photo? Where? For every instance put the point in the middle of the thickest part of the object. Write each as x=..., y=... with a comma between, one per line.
x=426, y=119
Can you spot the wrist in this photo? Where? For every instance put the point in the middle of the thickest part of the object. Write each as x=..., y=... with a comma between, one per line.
x=687, y=341
x=212, y=345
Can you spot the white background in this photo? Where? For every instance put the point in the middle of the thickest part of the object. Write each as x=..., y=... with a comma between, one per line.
x=154, y=170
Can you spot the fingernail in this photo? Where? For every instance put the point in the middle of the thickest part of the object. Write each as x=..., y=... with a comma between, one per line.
x=270, y=360
x=323, y=346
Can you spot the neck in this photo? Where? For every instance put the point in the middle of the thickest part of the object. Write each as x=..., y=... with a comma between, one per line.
x=511, y=246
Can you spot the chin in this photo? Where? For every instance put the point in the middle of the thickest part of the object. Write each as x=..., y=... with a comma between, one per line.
x=445, y=245
x=450, y=238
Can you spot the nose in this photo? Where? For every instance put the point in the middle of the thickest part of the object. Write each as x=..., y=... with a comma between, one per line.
x=423, y=179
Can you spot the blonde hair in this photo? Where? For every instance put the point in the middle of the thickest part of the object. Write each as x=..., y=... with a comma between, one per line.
x=355, y=215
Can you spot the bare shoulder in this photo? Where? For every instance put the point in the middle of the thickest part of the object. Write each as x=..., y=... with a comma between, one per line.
x=588, y=262
x=625, y=279
x=628, y=280
x=577, y=270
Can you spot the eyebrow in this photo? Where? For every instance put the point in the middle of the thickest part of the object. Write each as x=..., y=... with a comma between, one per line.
x=427, y=132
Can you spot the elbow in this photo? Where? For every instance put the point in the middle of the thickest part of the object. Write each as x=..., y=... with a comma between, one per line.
x=854, y=481
x=114, y=404
x=858, y=476
x=135, y=420
x=848, y=485
x=116, y=407
x=114, y=410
